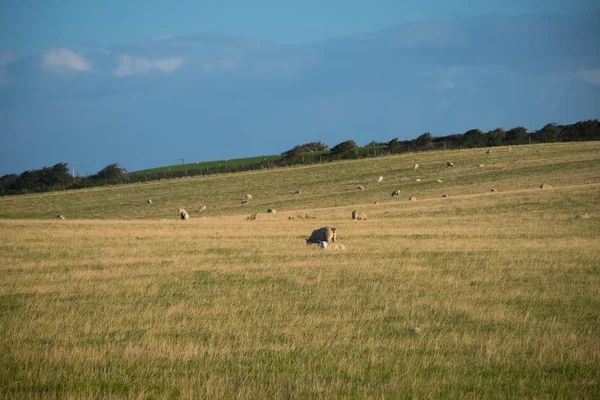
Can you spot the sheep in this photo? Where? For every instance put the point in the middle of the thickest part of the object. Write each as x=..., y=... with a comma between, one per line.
x=396, y=193
x=336, y=246
x=271, y=211
x=183, y=214
x=545, y=186
x=354, y=215
x=325, y=234
x=439, y=180
x=248, y=197
x=489, y=152
x=380, y=179
x=60, y=216
x=416, y=167
x=244, y=202
x=202, y=208
x=360, y=187
x=480, y=165
x=444, y=195
x=299, y=191
x=149, y=202
x=449, y=164
x=412, y=198
x=418, y=179
x=493, y=190
x=583, y=216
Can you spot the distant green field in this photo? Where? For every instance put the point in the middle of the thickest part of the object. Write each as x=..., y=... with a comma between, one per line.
x=226, y=164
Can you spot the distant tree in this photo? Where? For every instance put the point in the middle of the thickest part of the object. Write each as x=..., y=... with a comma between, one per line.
x=516, y=135
x=112, y=173
x=548, y=134
x=393, y=146
x=344, y=148
x=473, y=138
x=306, y=148
x=423, y=142
x=495, y=137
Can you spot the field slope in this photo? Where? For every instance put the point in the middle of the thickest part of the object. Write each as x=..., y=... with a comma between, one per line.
x=123, y=300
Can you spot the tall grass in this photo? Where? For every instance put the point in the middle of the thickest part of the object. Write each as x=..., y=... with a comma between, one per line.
x=502, y=286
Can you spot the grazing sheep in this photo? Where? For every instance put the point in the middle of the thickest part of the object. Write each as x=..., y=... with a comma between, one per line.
x=202, y=208
x=439, y=180
x=183, y=214
x=493, y=190
x=60, y=216
x=299, y=191
x=449, y=164
x=412, y=198
x=243, y=202
x=149, y=201
x=271, y=211
x=248, y=197
x=489, y=152
x=583, y=216
x=396, y=193
x=380, y=179
x=480, y=165
x=418, y=179
x=416, y=167
x=325, y=234
x=354, y=214
x=360, y=187
x=336, y=246
x=545, y=186
x=444, y=195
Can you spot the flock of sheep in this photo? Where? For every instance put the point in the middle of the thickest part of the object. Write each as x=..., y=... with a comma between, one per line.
x=325, y=237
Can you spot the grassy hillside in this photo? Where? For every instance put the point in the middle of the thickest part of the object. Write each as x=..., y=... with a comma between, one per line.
x=503, y=287
x=229, y=164
x=328, y=185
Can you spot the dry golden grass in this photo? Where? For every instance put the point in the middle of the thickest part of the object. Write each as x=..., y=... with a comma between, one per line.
x=504, y=288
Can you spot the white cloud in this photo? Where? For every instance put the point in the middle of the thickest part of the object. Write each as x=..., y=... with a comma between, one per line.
x=5, y=59
x=65, y=58
x=162, y=37
x=591, y=76
x=130, y=65
x=168, y=65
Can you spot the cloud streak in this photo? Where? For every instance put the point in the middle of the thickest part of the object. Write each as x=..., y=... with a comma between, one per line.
x=5, y=59
x=162, y=37
x=65, y=59
x=591, y=76
x=130, y=65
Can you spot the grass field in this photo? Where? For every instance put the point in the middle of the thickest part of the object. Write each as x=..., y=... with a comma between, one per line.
x=122, y=300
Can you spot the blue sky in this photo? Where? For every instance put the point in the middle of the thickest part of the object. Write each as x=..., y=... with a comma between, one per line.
x=27, y=25
x=143, y=83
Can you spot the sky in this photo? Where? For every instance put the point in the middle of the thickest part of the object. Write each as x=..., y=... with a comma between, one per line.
x=28, y=25
x=143, y=83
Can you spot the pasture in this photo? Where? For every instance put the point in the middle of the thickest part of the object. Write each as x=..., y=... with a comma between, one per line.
x=123, y=300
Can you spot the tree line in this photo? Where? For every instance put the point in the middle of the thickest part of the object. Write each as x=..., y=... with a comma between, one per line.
x=57, y=177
